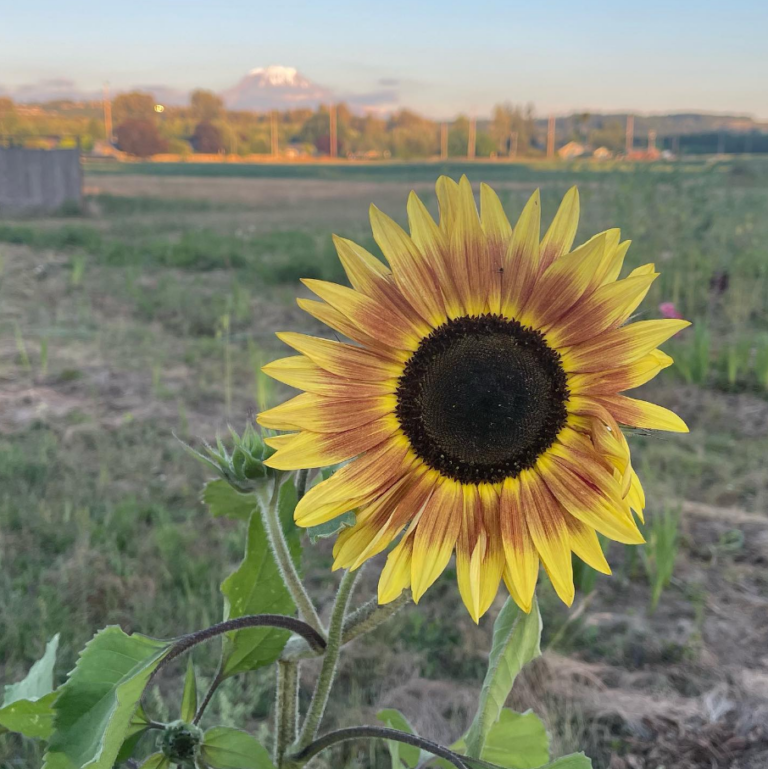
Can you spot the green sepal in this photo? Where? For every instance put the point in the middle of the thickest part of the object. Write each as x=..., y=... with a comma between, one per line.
x=226, y=748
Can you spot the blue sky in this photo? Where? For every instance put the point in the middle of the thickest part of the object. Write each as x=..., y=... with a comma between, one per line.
x=440, y=58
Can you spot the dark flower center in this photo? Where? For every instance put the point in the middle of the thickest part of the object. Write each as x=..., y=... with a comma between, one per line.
x=482, y=398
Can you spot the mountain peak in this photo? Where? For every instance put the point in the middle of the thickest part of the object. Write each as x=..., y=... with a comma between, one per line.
x=274, y=87
x=278, y=75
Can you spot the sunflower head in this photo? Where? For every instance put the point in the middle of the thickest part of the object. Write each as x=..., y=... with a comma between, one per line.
x=479, y=397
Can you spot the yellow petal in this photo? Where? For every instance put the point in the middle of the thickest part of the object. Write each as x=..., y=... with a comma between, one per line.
x=433, y=244
x=309, y=450
x=608, y=307
x=371, y=316
x=344, y=360
x=562, y=231
x=620, y=346
x=411, y=271
x=546, y=524
x=564, y=282
x=355, y=484
x=495, y=223
x=637, y=413
x=448, y=201
x=300, y=372
x=363, y=269
x=522, y=258
x=396, y=574
x=326, y=415
x=435, y=536
x=585, y=544
x=616, y=262
x=522, y=559
x=582, y=497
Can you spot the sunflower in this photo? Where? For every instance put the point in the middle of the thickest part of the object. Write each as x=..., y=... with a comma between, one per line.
x=479, y=401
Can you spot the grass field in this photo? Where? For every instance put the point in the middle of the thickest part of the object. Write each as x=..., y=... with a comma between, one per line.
x=149, y=314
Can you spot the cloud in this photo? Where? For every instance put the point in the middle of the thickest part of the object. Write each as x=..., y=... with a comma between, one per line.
x=381, y=100
x=52, y=89
x=170, y=97
x=388, y=82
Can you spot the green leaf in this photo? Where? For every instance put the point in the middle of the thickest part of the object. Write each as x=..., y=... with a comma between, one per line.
x=516, y=637
x=156, y=761
x=137, y=727
x=96, y=705
x=332, y=527
x=32, y=718
x=256, y=587
x=286, y=504
x=224, y=501
x=189, y=695
x=226, y=748
x=574, y=761
x=517, y=741
x=409, y=754
x=39, y=681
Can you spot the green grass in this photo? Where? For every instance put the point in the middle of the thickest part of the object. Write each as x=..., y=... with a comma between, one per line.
x=152, y=316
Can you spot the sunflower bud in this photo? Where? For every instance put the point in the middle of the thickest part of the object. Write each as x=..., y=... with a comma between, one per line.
x=244, y=468
x=178, y=743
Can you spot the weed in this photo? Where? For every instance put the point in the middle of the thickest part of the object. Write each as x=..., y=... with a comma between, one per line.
x=660, y=552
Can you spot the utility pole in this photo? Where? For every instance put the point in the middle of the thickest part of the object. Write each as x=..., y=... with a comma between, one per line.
x=107, y=114
x=273, y=134
x=443, y=141
x=651, y=140
x=551, y=137
x=630, y=138
x=471, y=139
x=334, y=149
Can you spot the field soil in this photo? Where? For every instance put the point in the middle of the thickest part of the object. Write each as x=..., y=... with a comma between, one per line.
x=102, y=363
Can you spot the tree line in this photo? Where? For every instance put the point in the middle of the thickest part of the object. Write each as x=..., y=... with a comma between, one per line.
x=143, y=128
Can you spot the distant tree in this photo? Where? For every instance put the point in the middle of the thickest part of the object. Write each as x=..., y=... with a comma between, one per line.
x=485, y=145
x=411, y=135
x=501, y=126
x=206, y=105
x=510, y=120
x=207, y=138
x=315, y=127
x=458, y=137
x=135, y=105
x=8, y=117
x=140, y=138
x=610, y=134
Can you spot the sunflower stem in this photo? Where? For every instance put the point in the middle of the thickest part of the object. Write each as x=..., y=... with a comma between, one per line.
x=287, y=708
x=285, y=562
x=378, y=733
x=370, y=615
x=330, y=661
x=301, y=483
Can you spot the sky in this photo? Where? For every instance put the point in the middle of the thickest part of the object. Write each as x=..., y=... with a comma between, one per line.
x=439, y=58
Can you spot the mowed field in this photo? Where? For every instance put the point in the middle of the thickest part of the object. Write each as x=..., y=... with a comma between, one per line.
x=149, y=315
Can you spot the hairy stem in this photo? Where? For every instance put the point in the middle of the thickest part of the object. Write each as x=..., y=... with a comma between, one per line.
x=185, y=643
x=287, y=708
x=285, y=562
x=370, y=615
x=217, y=680
x=377, y=733
x=363, y=620
x=330, y=660
x=301, y=483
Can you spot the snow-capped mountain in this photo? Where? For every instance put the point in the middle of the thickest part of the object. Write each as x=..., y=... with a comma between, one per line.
x=274, y=87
